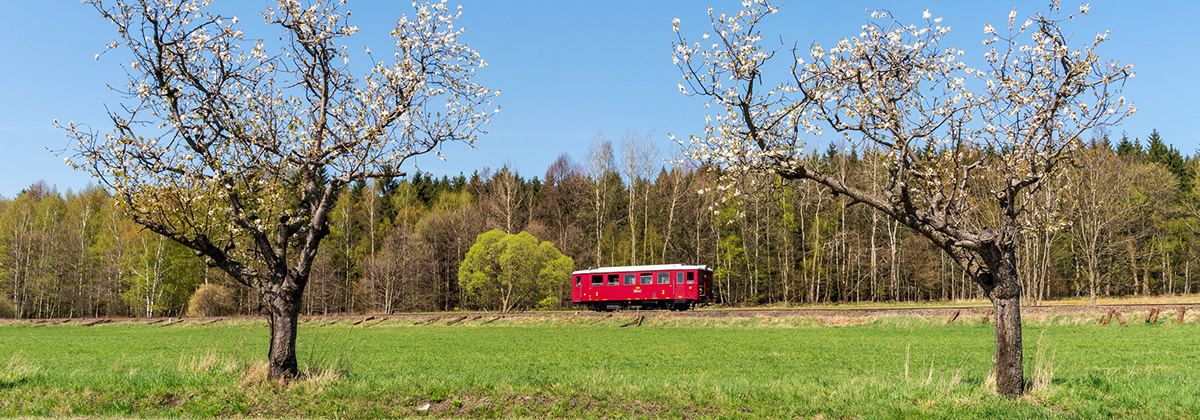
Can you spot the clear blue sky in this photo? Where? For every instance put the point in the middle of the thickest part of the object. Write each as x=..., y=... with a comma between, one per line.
x=568, y=70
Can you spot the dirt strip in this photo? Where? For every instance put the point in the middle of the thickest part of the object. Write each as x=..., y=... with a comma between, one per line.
x=945, y=311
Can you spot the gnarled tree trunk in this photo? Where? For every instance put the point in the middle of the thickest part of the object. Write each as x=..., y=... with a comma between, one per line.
x=283, y=310
x=1001, y=286
x=1010, y=374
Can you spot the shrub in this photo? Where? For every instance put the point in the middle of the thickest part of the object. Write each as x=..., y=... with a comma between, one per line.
x=7, y=310
x=513, y=271
x=211, y=300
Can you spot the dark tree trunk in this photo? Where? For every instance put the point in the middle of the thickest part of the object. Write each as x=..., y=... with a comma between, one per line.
x=1010, y=374
x=283, y=312
x=1004, y=290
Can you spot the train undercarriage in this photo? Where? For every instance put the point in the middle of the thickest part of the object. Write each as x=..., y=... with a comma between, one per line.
x=669, y=304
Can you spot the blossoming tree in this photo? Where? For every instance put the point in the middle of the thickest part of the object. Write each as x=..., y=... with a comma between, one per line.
x=238, y=148
x=953, y=138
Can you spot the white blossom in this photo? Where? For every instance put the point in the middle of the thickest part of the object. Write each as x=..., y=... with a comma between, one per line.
x=893, y=90
x=214, y=141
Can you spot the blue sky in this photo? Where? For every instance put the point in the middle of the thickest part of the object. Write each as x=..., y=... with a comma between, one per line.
x=568, y=70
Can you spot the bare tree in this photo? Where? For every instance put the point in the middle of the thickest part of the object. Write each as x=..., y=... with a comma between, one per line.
x=19, y=238
x=1107, y=195
x=563, y=195
x=895, y=87
x=449, y=233
x=239, y=153
x=507, y=200
x=148, y=272
x=400, y=272
x=637, y=162
x=673, y=182
x=599, y=166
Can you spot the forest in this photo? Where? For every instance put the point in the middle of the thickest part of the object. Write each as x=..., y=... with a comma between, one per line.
x=1122, y=221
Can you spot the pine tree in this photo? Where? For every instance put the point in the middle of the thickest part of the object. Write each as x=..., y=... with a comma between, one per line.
x=1168, y=156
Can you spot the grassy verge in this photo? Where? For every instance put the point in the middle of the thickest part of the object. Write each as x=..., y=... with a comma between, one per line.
x=896, y=367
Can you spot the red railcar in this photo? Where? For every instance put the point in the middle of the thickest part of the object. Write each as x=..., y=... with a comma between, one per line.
x=670, y=286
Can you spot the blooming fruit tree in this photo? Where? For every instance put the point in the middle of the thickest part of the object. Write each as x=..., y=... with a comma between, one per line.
x=954, y=138
x=237, y=148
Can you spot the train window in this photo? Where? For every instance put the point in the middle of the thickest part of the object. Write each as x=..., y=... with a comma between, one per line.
x=679, y=278
x=691, y=277
x=630, y=279
x=664, y=278
x=597, y=280
x=578, y=281
x=647, y=278
x=614, y=280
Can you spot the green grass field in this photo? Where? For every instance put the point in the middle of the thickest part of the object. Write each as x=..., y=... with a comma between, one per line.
x=899, y=367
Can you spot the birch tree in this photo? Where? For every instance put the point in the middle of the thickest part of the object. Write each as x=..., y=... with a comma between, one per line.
x=941, y=124
x=148, y=272
x=637, y=163
x=237, y=148
x=600, y=166
x=1106, y=196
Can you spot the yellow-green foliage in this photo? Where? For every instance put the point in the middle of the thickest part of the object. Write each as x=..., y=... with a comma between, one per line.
x=6, y=308
x=211, y=300
x=513, y=271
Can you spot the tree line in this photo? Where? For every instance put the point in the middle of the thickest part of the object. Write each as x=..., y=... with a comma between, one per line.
x=1127, y=225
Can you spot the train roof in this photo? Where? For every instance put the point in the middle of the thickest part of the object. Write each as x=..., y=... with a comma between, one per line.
x=631, y=268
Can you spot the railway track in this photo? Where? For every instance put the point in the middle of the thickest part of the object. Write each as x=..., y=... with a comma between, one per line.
x=367, y=320
x=937, y=311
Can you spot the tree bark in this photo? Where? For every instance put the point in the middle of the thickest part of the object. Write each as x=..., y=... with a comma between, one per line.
x=1004, y=290
x=283, y=311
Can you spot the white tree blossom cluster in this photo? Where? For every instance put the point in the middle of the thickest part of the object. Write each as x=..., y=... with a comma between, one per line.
x=894, y=89
x=236, y=147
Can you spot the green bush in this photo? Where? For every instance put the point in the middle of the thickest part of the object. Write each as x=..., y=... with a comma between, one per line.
x=513, y=271
x=211, y=300
x=7, y=310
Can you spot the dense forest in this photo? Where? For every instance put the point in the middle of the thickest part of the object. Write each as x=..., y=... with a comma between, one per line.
x=1122, y=221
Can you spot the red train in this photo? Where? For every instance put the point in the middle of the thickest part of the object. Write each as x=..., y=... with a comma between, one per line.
x=669, y=286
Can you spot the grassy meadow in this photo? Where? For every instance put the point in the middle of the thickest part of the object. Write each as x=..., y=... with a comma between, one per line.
x=574, y=366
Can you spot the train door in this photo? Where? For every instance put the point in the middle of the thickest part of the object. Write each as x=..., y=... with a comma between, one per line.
x=678, y=288
x=596, y=283
x=577, y=288
x=663, y=289
x=686, y=284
